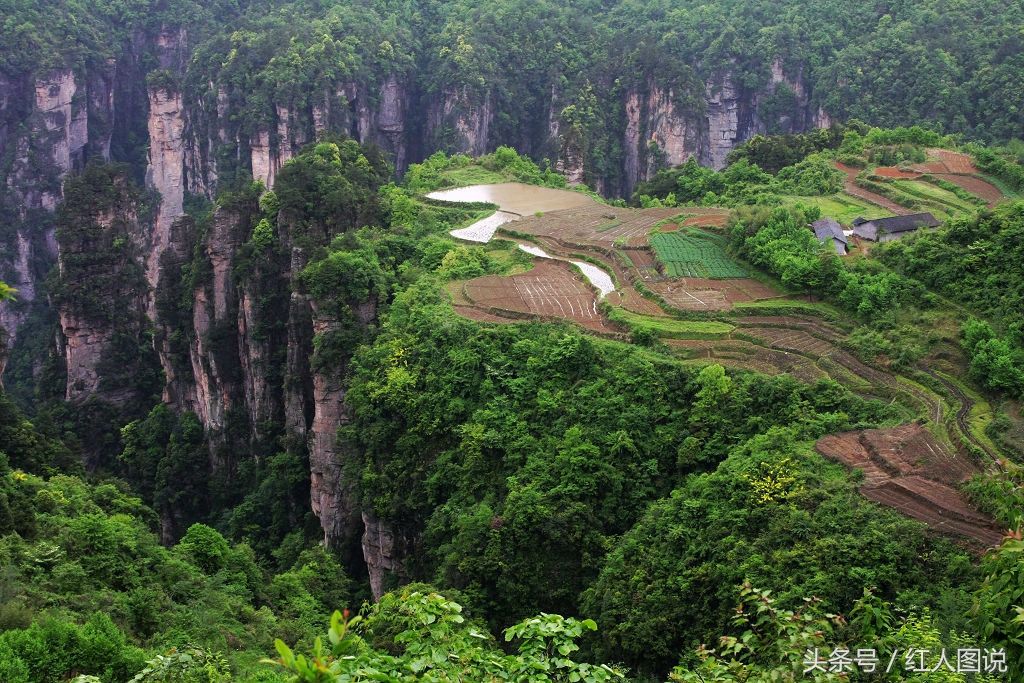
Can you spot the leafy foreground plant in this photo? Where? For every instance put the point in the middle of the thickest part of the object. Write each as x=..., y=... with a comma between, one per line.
x=437, y=643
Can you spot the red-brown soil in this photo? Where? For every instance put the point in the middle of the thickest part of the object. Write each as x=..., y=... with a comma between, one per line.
x=954, y=162
x=946, y=161
x=736, y=353
x=645, y=264
x=976, y=186
x=708, y=220
x=851, y=188
x=893, y=172
x=908, y=469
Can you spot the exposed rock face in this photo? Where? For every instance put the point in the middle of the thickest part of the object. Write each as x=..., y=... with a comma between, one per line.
x=84, y=347
x=658, y=133
x=214, y=326
x=724, y=125
x=265, y=163
x=166, y=168
x=172, y=350
x=387, y=125
x=333, y=499
x=458, y=113
x=100, y=127
x=669, y=128
x=54, y=145
x=66, y=124
x=382, y=554
x=19, y=275
x=298, y=394
x=98, y=296
x=633, y=134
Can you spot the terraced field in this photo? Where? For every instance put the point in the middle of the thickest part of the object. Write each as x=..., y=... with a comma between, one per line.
x=947, y=161
x=548, y=288
x=908, y=469
x=700, y=308
x=692, y=253
x=975, y=185
x=704, y=294
x=850, y=187
x=598, y=225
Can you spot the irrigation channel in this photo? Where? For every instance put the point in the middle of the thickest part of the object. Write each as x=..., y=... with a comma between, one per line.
x=515, y=200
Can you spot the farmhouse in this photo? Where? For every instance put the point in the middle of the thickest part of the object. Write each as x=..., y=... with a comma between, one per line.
x=888, y=229
x=829, y=231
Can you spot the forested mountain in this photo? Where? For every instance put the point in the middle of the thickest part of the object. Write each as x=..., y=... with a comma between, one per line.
x=268, y=352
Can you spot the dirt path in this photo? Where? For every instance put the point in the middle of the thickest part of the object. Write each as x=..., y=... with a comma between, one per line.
x=851, y=188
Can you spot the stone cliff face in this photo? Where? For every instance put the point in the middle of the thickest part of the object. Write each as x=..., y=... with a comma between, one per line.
x=98, y=296
x=660, y=132
x=461, y=121
x=165, y=174
x=333, y=499
x=727, y=121
x=383, y=554
x=54, y=144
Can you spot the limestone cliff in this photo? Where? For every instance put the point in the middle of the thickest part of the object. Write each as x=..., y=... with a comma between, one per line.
x=662, y=129
x=165, y=172
x=460, y=121
x=99, y=293
x=333, y=497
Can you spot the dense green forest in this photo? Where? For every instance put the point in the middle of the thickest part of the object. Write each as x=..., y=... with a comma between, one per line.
x=530, y=468
x=267, y=419
x=956, y=67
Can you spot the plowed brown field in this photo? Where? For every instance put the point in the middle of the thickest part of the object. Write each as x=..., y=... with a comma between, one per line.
x=598, y=225
x=550, y=290
x=893, y=172
x=976, y=186
x=908, y=469
x=700, y=294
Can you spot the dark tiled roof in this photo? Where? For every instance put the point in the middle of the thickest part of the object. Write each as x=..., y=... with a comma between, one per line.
x=859, y=220
x=828, y=227
x=905, y=223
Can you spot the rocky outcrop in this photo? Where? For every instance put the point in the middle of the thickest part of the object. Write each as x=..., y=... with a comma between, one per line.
x=461, y=120
x=65, y=122
x=382, y=554
x=85, y=344
x=18, y=275
x=98, y=294
x=724, y=125
x=659, y=133
x=169, y=340
x=385, y=125
x=214, y=351
x=333, y=498
x=670, y=129
x=165, y=172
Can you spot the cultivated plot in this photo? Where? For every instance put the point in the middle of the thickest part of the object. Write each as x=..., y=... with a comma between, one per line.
x=692, y=253
x=908, y=469
x=595, y=225
x=551, y=289
x=703, y=294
